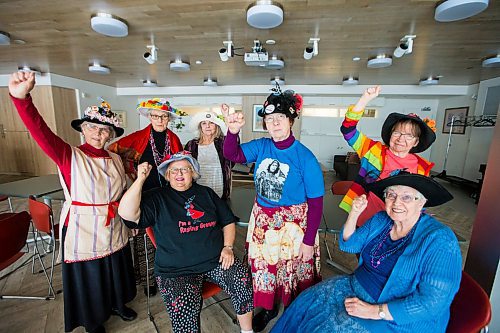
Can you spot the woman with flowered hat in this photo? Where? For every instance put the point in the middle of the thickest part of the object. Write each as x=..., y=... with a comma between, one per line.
x=403, y=135
x=210, y=130
x=97, y=269
x=151, y=145
x=282, y=241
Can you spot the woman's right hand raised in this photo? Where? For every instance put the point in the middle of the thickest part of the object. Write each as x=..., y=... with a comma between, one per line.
x=21, y=83
x=359, y=204
x=143, y=171
x=368, y=95
x=234, y=121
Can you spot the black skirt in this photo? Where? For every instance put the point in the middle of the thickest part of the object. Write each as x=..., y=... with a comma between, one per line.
x=92, y=288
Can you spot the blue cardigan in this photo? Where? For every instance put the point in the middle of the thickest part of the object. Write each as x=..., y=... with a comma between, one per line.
x=424, y=280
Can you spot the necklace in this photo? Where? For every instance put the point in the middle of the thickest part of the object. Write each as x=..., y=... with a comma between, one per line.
x=156, y=155
x=376, y=257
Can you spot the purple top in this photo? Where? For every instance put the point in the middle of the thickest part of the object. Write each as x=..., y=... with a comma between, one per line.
x=233, y=152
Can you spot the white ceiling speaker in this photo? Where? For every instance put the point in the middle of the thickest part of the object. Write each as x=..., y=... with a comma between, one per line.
x=97, y=68
x=4, y=38
x=277, y=80
x=109, y=25
x=29, y=69
x=380, y=61
x=265, y=14
x=430, y=81
x=149, y=83
x=454, y=10
x=179, y=66
x=275, y=63
x=210, y=82
x=492, y=61
x=350, y=81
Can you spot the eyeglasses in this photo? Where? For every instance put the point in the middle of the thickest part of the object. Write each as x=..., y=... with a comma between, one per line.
x=406, y=136
x=184, y=170
x=97, y=128
x=406, y=198
x=159, y=116
x=271, y=119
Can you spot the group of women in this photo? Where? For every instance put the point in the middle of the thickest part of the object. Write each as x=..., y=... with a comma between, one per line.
x=409, y=263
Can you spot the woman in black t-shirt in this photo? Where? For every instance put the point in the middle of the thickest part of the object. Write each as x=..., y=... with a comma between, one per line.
x=195, y=232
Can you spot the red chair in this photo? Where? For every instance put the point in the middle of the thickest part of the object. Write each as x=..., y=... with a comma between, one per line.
x=14, y=229
x=43, y=223
x=470, y=311
x=341, y=187
x=3, y=198
x=209, y=289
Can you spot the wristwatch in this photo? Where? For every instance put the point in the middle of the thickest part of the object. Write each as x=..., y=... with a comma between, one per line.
x=229, y=246
x=381, y=312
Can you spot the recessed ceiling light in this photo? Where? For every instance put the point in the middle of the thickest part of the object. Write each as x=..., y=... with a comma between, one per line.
x=198, y=62
x=19, y=41
x=265, y=14
x=379, y=61
x=109, y=25
x=356, y=58
x=179, y=66
x=430, y=81
x=275, y=63
x=29, y=69
x=277, y=80
x=350, y=81
x=210, y=82
x=96, y=68
x=491, y=62
x=4, y=38
x=270, y=42
x=454, y=10
x=149, y=83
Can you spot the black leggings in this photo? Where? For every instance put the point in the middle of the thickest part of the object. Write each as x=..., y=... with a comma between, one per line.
x=183, y=295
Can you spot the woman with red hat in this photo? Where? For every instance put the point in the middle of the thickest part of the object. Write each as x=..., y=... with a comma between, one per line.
x=151, y=145
x=403, y=135
x=97, y=269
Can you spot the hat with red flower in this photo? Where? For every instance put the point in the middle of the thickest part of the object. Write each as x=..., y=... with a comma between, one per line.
x=99, y=114
x=427, y=135
x=288, y=102
x=158, y=104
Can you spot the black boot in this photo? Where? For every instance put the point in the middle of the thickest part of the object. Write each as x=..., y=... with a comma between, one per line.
x=263, y=318
x=126, y=314
x=152, y=291
x=99, y=329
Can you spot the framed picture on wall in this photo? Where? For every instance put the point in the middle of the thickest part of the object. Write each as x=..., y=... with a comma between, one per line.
x=257, y=121
x=122, y=118
x=459, y=118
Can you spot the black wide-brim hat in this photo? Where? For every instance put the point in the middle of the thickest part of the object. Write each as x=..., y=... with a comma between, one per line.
x=288, y=102
x=99, y=115
x=427, y=135
x=434, y=192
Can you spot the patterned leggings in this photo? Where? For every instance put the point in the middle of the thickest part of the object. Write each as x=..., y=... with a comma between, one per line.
x=183, y=295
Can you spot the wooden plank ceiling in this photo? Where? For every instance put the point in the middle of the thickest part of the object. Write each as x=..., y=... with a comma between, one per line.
x=58, y=39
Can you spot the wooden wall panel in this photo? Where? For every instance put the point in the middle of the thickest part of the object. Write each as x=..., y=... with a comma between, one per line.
x=65, y=110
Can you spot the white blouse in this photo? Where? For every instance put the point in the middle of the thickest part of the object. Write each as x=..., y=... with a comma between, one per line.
x=210, y=168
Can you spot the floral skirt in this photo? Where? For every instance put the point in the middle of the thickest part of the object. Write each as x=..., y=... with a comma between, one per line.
x=273, y=241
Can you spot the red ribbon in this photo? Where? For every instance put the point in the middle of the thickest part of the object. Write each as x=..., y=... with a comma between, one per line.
x=111, y=209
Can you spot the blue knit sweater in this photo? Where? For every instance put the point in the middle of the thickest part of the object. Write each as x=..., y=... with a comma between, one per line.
x=424, y=281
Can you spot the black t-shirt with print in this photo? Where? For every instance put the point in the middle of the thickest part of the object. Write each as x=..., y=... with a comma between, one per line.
x=187, y=227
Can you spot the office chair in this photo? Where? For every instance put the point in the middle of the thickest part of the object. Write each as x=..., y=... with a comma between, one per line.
x=14, y=229
x=209, y=289
x=470, y=311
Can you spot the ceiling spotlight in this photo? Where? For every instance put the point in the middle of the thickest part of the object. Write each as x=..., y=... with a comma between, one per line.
x=151, y=56
x=264, y=14
x=311, y=51
x=180, y=66
x=492, y=61
x=430, y=81
x=29, y=69
x=277, y=80
x=109, y=25
x=350, y=81
x=210, y=82
x=379, y=61
x=149, y=83
x=4, y=38
x=227, y=51
x=356, y=58
x=454, y=10
x=405, y=47
x=96, y=68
